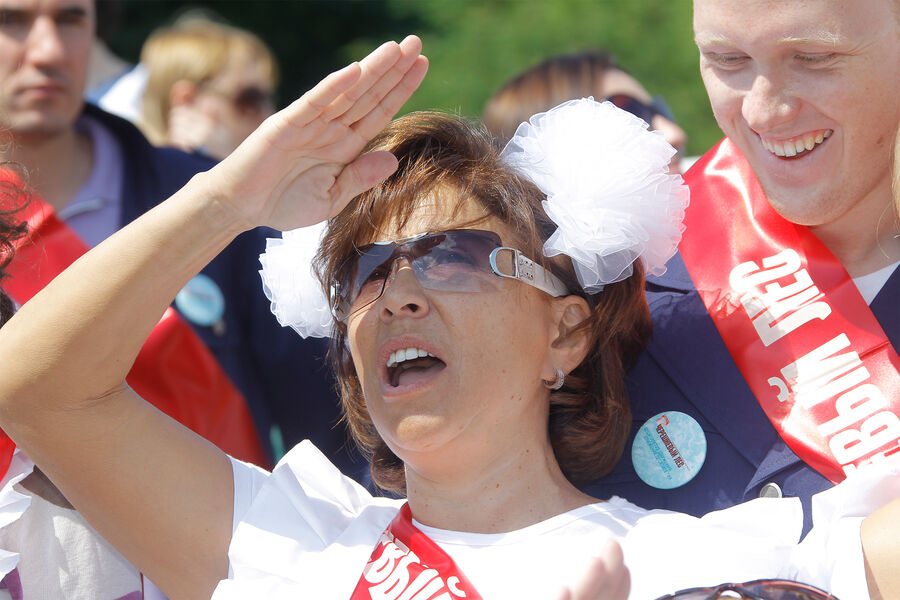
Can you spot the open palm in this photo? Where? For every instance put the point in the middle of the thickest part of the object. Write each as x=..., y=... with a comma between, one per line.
x=303, y=164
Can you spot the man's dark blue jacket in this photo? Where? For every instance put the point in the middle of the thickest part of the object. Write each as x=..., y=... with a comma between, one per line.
x=686, y=367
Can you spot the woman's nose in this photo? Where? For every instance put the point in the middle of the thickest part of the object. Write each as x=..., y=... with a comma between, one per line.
x=403, y=295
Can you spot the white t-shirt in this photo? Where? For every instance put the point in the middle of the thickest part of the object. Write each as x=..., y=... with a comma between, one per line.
x=307, y=531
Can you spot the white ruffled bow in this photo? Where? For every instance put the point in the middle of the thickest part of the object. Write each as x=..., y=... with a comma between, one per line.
x=607, y=186
x=298, y=300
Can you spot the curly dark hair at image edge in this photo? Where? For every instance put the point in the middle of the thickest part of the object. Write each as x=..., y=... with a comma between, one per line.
x=589, y=416
x=12, y=198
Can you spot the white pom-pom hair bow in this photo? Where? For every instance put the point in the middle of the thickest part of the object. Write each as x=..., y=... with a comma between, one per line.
x=608, y=188
x=608, y=191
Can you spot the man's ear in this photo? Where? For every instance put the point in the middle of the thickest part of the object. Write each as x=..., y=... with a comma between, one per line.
x=572, y=343
x=183, y=92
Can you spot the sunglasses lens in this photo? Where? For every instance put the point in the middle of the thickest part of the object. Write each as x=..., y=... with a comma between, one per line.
x=456, y=261
x=786, y=590
x=634, y=106
x=459, y=263
x=253, y=100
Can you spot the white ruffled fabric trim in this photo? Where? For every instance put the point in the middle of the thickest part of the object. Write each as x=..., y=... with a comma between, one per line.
x=289, y=281
x=13, y=504
x=607, y=186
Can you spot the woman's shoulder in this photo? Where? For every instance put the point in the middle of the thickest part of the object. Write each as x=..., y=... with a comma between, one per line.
x=296, y=523
x=305, y=486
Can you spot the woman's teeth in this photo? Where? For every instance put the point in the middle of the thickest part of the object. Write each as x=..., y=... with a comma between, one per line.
x=404, y=354
x=792, y=148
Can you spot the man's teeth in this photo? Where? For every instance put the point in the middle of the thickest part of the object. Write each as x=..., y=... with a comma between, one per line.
x=795, y=147
x=404, y=354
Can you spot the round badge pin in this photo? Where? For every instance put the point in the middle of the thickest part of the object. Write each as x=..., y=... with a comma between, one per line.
x=668, y=450
x=201, y=301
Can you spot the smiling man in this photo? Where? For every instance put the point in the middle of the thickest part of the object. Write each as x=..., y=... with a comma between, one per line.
x=773, y=359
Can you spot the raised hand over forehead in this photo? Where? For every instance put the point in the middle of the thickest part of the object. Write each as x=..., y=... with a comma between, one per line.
x=303, y=165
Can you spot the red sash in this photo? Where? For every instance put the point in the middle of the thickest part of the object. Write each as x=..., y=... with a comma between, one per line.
x=810, y=349
x=407, y=565
x=174, y=370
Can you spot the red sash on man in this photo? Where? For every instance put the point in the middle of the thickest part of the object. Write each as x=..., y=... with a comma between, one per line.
x=174, y=370
x=408, y=564
x=807, y=344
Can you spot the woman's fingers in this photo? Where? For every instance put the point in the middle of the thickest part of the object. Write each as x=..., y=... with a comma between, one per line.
x=378, y=118
x=307, y=156
x=365, y=172
x=313, y=103
x=372, y=68
x=377, y=85
x=371, y=89
x=606, y=577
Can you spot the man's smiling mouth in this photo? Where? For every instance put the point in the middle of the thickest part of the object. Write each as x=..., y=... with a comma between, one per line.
x=797, y=146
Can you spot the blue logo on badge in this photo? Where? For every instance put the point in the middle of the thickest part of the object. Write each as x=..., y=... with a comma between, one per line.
x=669, y=450
x=201, y=301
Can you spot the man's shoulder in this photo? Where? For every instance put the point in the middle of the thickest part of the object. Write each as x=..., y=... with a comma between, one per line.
x=151, y=174
x=135, y=145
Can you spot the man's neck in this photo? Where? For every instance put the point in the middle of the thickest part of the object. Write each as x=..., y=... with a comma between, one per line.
x=867, y=238
x=57, y=166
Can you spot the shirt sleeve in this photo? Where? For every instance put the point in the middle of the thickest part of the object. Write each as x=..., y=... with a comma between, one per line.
x=248, y=479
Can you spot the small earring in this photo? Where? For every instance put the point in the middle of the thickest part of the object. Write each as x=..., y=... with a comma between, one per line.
x=558, y=383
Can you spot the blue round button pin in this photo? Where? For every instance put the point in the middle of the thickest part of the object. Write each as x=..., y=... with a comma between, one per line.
x=668, y=450
x=201, y=301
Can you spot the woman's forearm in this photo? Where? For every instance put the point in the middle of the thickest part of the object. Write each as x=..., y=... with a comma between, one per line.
x=161, y=494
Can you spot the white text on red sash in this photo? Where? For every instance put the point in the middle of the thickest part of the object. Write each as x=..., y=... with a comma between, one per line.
x=862, y=426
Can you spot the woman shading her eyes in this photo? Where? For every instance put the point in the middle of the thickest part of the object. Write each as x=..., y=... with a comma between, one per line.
x=483, y=389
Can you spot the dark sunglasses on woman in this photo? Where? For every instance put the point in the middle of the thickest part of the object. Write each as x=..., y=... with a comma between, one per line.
x=761, y=589
x=457, y=260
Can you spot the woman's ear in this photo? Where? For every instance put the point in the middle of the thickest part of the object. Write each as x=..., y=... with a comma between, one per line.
x=572, y=343
x=182, y=92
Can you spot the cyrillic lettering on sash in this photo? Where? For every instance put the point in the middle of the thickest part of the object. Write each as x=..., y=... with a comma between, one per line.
x=407, y=565
x=804, y=339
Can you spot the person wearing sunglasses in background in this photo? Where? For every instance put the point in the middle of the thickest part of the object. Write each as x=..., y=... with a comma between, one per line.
x=209, y=85
x=591, y=73
x=480, y=336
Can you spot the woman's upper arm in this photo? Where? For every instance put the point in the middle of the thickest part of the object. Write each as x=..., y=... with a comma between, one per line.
x=158, y=492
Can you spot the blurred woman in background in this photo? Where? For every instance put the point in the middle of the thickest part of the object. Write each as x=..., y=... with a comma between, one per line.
x=209, y=85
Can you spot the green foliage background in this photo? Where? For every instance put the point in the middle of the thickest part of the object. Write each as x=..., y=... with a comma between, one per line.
x=474, y=45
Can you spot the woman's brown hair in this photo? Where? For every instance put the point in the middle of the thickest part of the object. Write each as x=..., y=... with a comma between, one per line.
x=589, y=417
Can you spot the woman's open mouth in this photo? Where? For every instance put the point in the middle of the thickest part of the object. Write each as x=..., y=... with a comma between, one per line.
x=411, y=365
